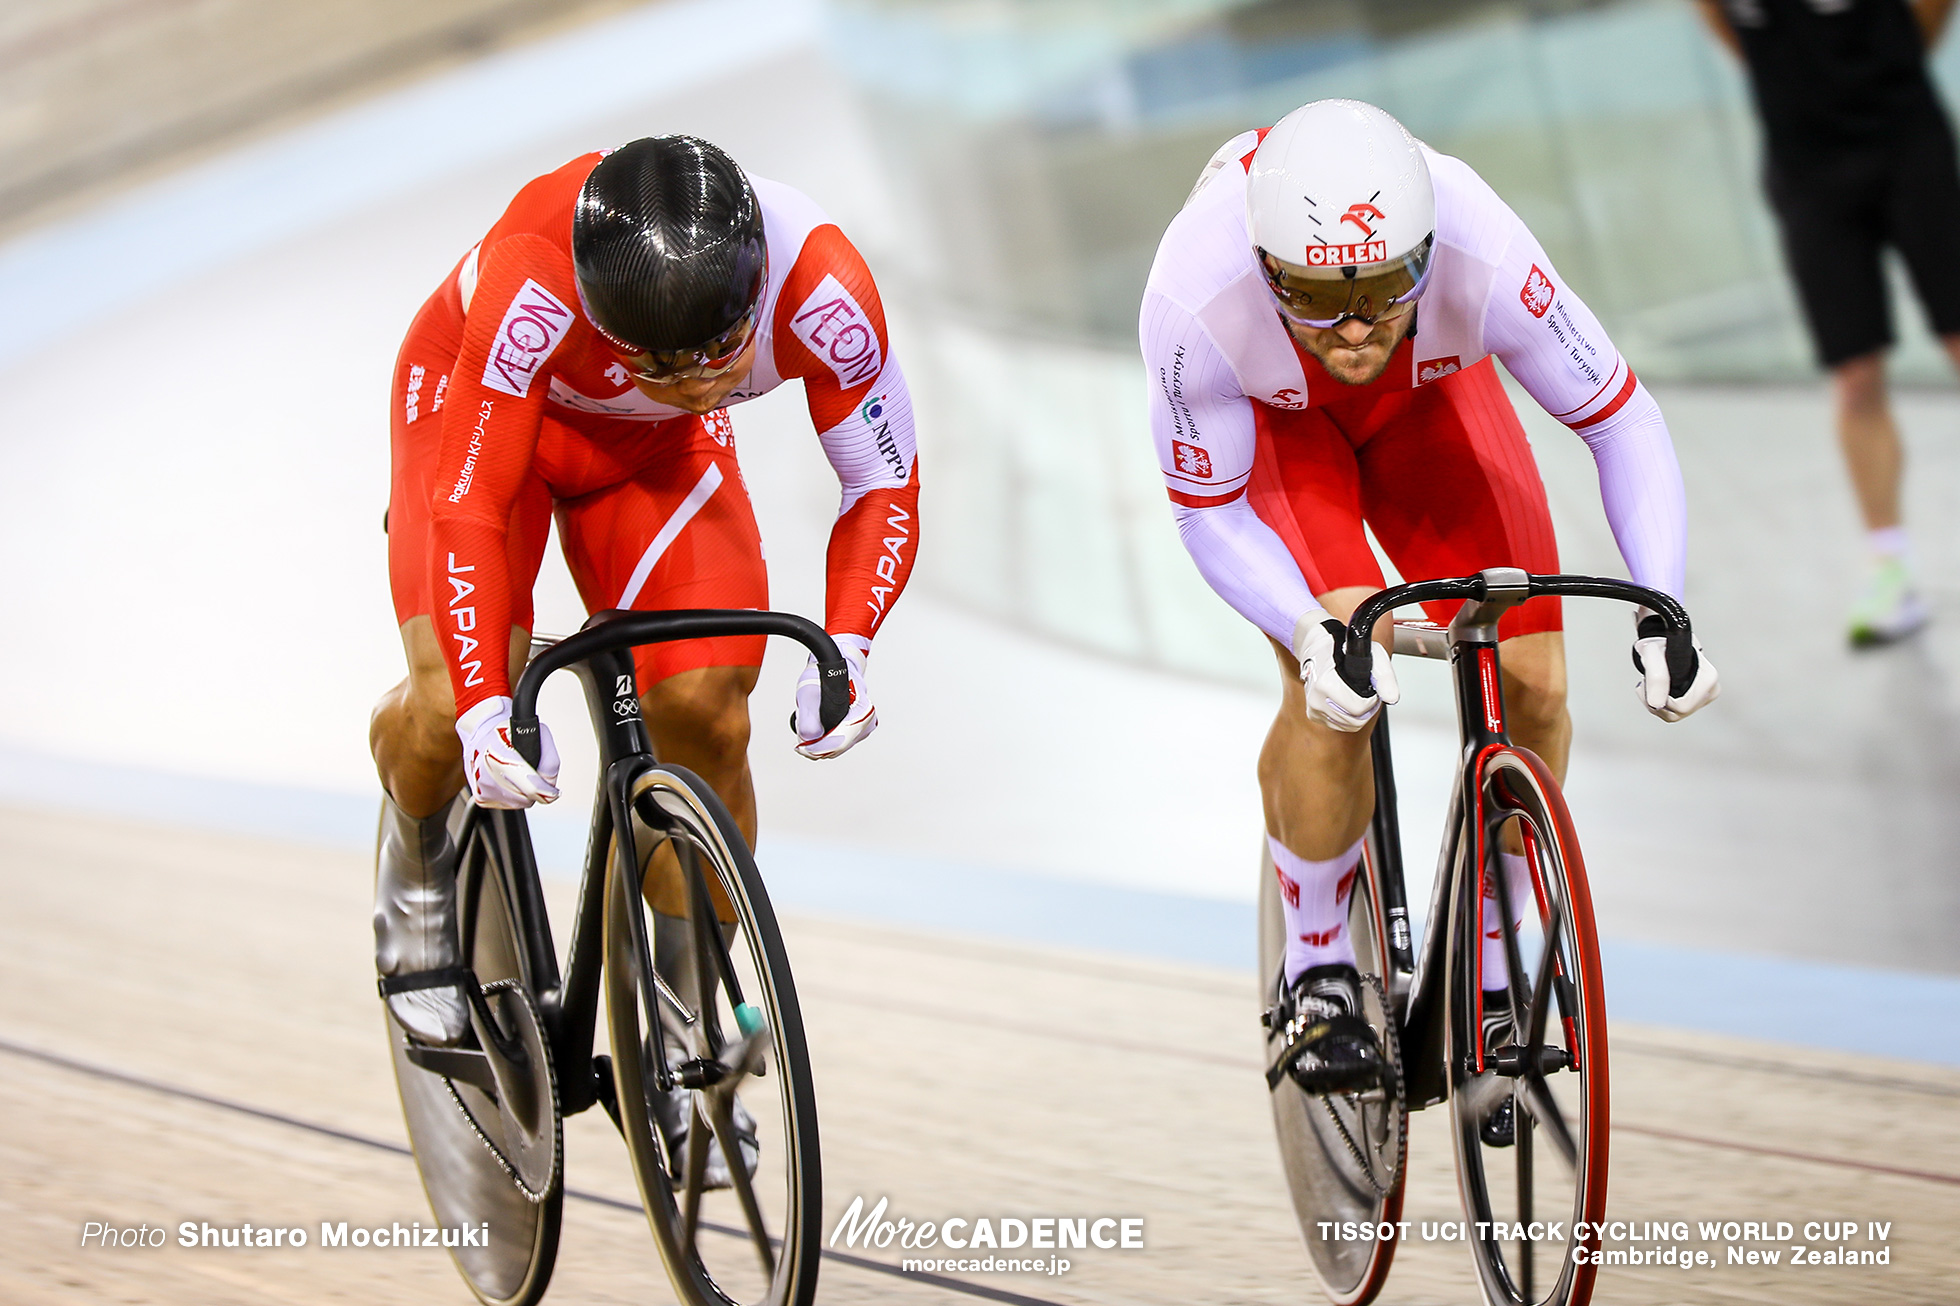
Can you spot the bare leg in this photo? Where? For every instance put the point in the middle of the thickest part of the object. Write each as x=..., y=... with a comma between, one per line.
x=1872, y=453
x=1318, y=785
x=1316, y=782
x=700, y=720
x=412, y=733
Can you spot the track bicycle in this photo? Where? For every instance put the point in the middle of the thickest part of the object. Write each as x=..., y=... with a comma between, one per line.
x=1345, y=1154
x=698, y=997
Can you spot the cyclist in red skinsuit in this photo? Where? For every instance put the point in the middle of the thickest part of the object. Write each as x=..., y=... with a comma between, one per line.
x=511, y=406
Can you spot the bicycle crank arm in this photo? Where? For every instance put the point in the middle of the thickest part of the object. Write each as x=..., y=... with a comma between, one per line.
x=466, y=1065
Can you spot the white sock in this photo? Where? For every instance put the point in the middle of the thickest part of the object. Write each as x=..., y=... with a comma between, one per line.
x=1890, y=542
x=1313, y=897
x=1517, y=883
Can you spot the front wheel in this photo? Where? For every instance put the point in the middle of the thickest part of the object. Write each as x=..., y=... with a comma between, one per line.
x=703, y=1002
x=1528, y=1105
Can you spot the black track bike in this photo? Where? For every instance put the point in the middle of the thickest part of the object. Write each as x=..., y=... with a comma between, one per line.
x=1529, y=1112
x=699, y=1004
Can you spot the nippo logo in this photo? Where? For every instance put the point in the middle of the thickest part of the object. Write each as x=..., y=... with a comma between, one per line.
x=532, y=327
x=1191, y=460
x=838, y=331
x=1435, y=369
x=1537, y=292
x=1359, y=214
x=1342, y=256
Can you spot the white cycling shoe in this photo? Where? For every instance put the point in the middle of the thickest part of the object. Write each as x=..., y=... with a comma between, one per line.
x=674, y=1113
x=416, y=953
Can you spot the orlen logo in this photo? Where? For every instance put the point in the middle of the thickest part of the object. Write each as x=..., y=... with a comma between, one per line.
x=1342, y=256
x=1287, y=398
x=532, y=327
x=1359, y=214
x=837, y=330
x=1289, y=888
x=1320, y=938
x=1435, y=369
x=1537, y=292
x=1191, y=460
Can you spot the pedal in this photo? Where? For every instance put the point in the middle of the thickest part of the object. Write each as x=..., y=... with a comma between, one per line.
x=470, y=1066
x=1511, y=1061
x=699, y=1073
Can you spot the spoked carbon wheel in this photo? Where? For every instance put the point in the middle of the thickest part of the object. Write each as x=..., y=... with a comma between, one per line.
x=484, y=1123
x=1343, y=1153
x=737, y=1058
x=1551, y=1067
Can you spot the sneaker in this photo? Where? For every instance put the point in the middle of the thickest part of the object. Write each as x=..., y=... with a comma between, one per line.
x=1500, y=1127
x=1324, y=1046
x=1889, y=608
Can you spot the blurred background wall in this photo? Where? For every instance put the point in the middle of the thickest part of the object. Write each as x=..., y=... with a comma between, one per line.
x=1040, y=147
x=220, y=213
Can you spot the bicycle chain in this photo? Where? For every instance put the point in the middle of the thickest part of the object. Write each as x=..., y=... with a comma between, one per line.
x=1393, y=1048
x=557, y=1162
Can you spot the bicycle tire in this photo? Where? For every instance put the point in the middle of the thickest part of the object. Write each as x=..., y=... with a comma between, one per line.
x=783, y=1204
x=1320, y=1135
x=1561, y=1177
x=472, y=1174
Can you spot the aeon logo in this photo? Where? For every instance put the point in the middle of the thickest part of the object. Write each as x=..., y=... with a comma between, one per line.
x=1359, y=214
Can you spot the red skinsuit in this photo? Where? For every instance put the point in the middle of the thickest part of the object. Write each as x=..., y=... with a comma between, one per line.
x=531, y=411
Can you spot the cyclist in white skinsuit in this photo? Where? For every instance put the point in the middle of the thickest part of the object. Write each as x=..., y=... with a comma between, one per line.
x=1315, y=328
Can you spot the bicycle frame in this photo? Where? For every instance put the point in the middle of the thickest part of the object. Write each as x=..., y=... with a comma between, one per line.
x=600, y=654
x=1415, y=982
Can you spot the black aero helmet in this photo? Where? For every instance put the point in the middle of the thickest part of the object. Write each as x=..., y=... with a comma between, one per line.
x=668, y=246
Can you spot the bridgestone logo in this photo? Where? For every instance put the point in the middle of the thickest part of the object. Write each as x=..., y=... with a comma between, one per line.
x=1342, y=256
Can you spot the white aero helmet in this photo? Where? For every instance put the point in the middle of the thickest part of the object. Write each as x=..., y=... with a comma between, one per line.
x=1342, y=214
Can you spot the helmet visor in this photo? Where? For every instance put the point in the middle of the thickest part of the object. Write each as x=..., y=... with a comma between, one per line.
x=1323, y=297
x=713, y=359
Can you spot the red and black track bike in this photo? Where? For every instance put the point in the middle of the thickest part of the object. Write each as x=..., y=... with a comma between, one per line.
x=1528, y=1109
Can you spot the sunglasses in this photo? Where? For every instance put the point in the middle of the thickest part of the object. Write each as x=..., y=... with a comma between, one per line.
x=1314, y=298
x=716, y=358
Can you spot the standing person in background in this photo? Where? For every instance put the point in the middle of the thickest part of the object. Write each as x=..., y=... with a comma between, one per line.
x=1860, y=156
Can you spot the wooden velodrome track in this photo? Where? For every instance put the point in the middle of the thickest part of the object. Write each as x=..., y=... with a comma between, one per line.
x=190, y=1033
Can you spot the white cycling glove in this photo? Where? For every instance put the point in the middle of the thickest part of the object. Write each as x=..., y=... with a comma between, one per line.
x=498, y=776
x=860, y=721
x=1329, y=699
x=1650, y=659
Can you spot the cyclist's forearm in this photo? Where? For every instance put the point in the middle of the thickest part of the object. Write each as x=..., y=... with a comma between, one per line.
x=1640, y=485
x=1248, y=565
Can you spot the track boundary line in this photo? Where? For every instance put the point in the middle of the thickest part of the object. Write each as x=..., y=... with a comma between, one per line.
x=123, y=1077
x=1758, y=1149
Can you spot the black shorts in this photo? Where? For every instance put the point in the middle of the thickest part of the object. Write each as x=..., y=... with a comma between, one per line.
x=1837, y=215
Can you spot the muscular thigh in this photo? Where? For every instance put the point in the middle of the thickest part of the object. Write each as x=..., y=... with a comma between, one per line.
x=1449, y=484
x=677, y=533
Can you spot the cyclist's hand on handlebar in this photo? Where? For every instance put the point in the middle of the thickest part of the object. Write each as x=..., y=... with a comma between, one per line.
x=1330, y=700
x=1654, y=685
x=497, y=775
x=860, y=721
